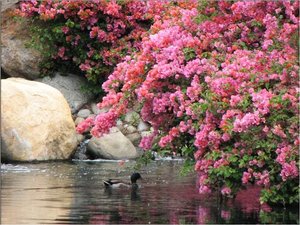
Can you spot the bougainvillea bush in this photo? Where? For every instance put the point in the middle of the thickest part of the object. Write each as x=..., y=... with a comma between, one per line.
x=88, y=37
x=218, y=81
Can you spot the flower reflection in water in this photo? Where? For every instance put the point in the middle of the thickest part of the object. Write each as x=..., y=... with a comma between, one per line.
x=203, y=215
x=225, y=214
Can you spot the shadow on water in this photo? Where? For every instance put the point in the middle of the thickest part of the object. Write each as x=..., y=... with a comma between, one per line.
x=74, y=193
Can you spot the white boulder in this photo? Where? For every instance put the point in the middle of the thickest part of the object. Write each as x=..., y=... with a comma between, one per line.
x=36, y=122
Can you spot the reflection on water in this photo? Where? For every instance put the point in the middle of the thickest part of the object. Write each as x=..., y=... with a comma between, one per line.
x=73, y=192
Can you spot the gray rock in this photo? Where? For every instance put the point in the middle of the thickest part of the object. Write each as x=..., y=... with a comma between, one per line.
x=132, y=118
x=78, y=120
x=17, y=60
x=143, y=126
x=70, y=87
x=146, y=133
x=80, y=137
x=84, y=113
x=92, y=115
x=80, y=152
x=119, y=122
x=135, y=138
x=120, y=126
x=103, y=110
x=128, y=129
x=113, y=145
x=5, y=4
x=98, y=111
x=95, y=109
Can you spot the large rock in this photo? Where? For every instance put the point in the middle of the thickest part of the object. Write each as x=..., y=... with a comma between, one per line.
x=135, y=138
x=113, y=145
x=70, y=87
x=17, y=60
x=5, y=4
x=36, y=122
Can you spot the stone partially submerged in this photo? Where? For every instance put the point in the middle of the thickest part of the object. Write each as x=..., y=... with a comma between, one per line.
x=36, y=122
x=113, y=145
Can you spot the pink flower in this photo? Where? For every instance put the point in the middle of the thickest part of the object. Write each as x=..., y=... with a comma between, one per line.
x=198, y=153
x=204, y=189
x=248, y=120
x=146, y=142
x=224, y=86
x=112, y=8
x=61, y=52
x=164, y=141
x=263, y=178
x=282, y=154
x=277, y=130
x=85, y=125
x=235, y=100
x=85, y=66
x=65, y=29
x=266, y=129
x=103, y=123
x=226, y=137
x=94, y=32
x=226, y=191
x=202, y=137
x=246, y=177
x=225, y=214
x=266, y=44
x=220, y=162
x=195, y=89
x=289, y=170
x=261, y=100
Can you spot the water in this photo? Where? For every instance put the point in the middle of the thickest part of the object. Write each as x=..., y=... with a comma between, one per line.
x=73, y=192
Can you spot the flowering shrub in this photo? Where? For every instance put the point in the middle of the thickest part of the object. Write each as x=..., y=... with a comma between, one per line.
x=89, y=37
x=218, y=81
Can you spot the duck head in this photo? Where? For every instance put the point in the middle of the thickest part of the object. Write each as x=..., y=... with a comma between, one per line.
x=134, y=177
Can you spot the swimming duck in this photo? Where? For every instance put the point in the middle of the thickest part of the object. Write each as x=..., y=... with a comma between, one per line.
x=115, y=183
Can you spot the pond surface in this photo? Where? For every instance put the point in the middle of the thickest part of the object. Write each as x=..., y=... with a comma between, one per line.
x=73, y=192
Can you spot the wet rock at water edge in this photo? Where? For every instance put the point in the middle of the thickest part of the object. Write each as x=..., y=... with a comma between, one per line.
x=36, y=122
x=113, y=145
x=81, y=151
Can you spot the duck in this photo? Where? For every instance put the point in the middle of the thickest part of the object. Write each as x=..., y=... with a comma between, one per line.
x=116, y=183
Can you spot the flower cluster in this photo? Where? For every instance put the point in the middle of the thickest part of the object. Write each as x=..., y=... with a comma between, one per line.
x=222, y=76
x=92, y=36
